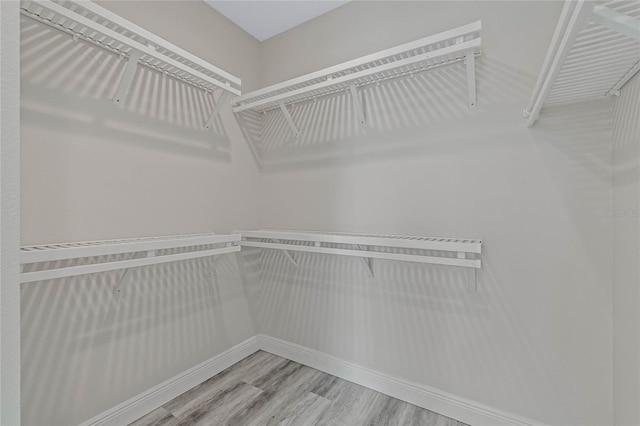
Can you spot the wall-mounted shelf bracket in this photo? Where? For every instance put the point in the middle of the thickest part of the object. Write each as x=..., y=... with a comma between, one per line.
x=616, y=21
x=472, y=280
x=117, y=289
x=126, y=274
x=615, y=90
x=368, y=262
x=216, y=110
x=287, y=117
x=213, y=271
x=127, y=77
x=357, y=103
x=470, y=61
x=288, y=254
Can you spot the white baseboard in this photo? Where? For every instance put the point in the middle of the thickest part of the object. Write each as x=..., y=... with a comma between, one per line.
x=433, y=399
x=139, y=405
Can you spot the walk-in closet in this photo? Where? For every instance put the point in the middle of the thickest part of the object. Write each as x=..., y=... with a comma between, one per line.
x=323, y=212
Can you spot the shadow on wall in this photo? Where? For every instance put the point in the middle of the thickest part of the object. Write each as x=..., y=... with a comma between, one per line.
x=408, y=320
x=84, y=344
x=403, y=115
x=582, y=133
x=68, y=86
x=626, y=135
x=537, y=198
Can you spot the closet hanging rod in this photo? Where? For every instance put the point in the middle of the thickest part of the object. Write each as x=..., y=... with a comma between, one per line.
x=90, y=22
x=199, y=245
x=440, y=49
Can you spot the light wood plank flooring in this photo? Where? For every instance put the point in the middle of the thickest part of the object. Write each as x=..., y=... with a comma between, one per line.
x=264, y=389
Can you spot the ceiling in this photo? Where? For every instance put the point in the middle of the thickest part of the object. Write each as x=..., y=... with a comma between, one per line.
x=265, y=18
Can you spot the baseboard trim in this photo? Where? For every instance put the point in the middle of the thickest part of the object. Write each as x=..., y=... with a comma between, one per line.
x=447, y=404
x=141, y=404
x=433, y=399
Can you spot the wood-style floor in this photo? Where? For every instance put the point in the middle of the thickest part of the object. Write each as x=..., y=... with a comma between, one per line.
x=264, y=389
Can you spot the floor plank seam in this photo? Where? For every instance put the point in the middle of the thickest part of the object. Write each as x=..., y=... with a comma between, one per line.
x=264, y=389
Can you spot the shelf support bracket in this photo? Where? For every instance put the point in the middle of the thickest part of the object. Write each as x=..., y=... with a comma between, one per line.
x=470, y=60
x=127, y=77
x=616, y=21
x=290, y=122
x=216, y=110
x=472, y=282
x=368, y=262
x=117, y=290
x=286, y=253
x=357, y=103
x=615, y=90
x=213, y=271
x=124, y=278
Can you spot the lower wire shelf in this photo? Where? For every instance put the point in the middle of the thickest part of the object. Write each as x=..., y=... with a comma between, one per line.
x=108, y=255
x=462, y=252
x=146, y=251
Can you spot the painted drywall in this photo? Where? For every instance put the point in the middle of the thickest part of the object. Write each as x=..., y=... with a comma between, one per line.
x=9, y=213
x=625, y=216
x=92, y=171
x=536, y=338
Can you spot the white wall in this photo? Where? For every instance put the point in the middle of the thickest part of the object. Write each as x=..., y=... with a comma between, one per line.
x=626, y=254
x=536, y=338
x=9, y=213
x=95, y=171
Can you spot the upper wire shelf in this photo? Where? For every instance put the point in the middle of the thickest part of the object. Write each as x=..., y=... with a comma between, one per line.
x=87, y=21
x=595, y=50
x=449, y=47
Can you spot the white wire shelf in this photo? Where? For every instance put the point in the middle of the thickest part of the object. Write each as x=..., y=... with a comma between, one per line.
x=442, y=251
x=146, y=250
x=595, y=50
x=91, y=23
x=446, y=48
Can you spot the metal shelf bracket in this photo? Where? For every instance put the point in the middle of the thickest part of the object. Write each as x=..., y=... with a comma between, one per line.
x=368, y=262
x=287, y=253
x=127, y=77
x=472, y=280
x=470, y=61
x=290, y=122
x=216, y=110
x=213, y=271
x=126, y=275
x=357, y=103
